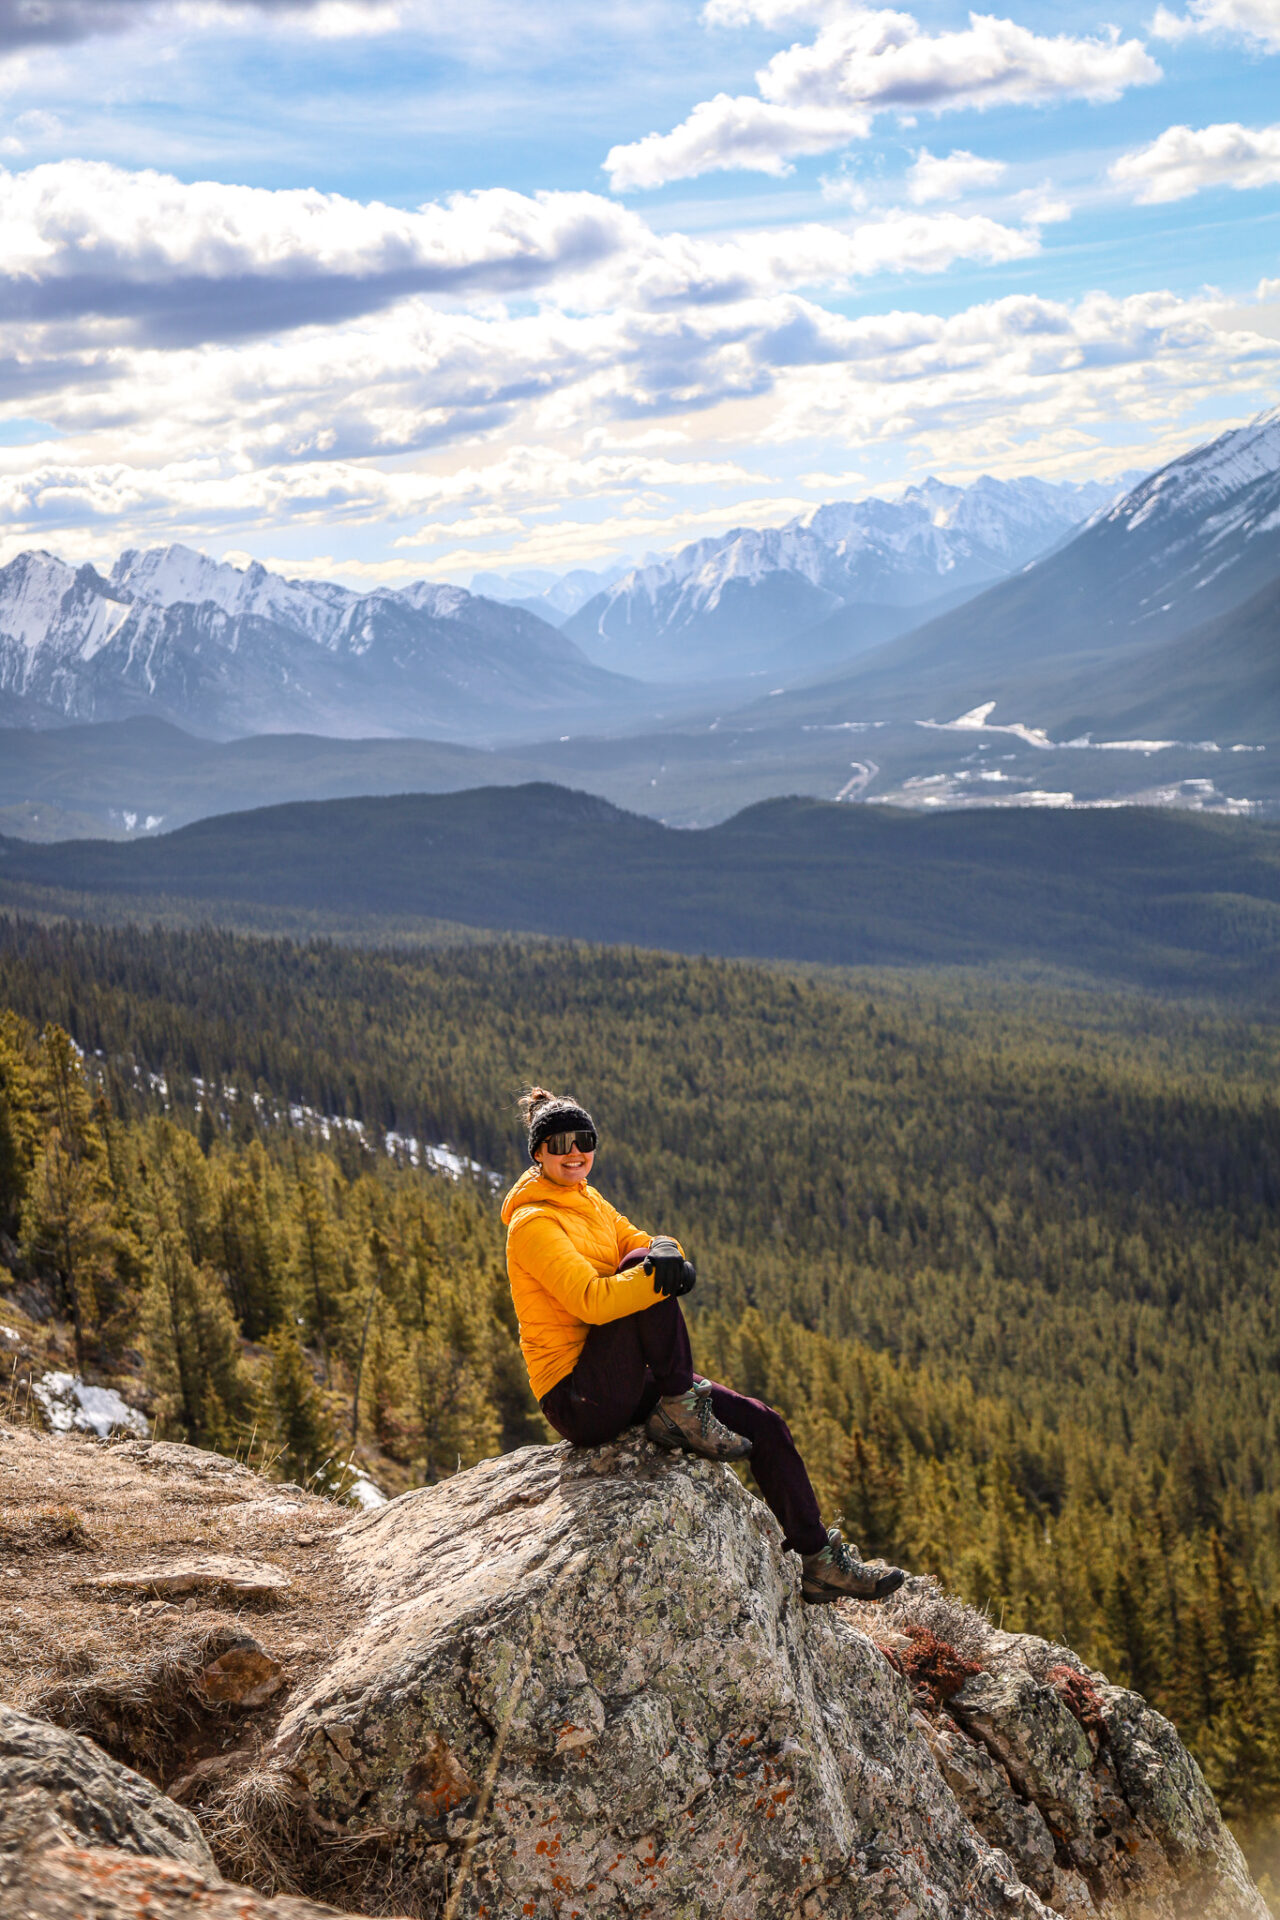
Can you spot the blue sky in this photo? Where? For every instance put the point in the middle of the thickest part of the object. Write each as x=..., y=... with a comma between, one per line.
x=386, y=288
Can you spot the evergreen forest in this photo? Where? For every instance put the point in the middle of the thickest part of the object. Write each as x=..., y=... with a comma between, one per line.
x=1006, y=1257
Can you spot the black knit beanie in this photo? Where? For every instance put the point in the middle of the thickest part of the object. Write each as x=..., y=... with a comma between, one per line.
x=557, y=1116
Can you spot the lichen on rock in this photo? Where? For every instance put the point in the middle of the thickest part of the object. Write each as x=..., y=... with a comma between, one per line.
x=585, y=1683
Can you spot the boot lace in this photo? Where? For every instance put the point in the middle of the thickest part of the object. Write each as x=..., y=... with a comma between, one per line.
x=840, y=1555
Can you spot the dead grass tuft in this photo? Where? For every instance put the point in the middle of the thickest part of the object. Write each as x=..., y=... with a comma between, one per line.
x=920, y=1604
x=144, y=1711
x=40, y=1529
x=261, y=1837
x=255, y=1830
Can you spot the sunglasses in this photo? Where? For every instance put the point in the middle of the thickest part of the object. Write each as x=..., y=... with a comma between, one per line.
x=560, y=1143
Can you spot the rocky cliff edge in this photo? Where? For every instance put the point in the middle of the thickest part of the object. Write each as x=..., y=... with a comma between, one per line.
x=577, y=1683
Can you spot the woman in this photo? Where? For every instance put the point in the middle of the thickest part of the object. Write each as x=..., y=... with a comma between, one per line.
x=606, y=1343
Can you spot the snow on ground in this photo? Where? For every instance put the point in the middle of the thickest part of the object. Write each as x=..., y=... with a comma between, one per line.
x=961, y=790
x=441, y=1158
x=363, y=1493
x=70, y=1406
x=978, y=720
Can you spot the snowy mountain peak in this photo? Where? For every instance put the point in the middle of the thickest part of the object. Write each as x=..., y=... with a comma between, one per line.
x=1209, y=475
x=165, y=576
x=243, y=650
x=38, y=591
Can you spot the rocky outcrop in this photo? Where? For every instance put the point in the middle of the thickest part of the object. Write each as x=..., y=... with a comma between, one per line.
x=54, y=1787
x=564, y=1683
x=78, y=1883
x=584, y=1683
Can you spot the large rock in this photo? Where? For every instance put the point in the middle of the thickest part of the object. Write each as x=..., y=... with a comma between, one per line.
x=54, y=1787
x=79, y=1883
x=224, y=1573
x=585, y=1684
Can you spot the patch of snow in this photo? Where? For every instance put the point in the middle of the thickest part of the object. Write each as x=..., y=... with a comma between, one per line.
x=70, y=1406
x=363, y=1493
x=976, y=721
x=438, y=1159
x=864, y=772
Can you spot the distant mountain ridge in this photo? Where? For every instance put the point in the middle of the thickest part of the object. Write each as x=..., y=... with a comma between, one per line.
x=868, y=567
x=1163, y=898
x=228, y=651
x=1064, y=638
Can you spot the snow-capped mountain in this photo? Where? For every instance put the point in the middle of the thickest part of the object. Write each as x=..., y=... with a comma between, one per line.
x=1204, y=532
x=1074, y=634
x=227, y=651
x=742, y=601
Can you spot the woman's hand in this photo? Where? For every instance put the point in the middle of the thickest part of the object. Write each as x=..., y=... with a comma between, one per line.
x=672, y=1273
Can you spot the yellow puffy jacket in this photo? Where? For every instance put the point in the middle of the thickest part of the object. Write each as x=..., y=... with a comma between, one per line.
x=563, y=1248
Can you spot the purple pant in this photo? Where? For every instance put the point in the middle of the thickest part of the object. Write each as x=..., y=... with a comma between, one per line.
x=625, y=1368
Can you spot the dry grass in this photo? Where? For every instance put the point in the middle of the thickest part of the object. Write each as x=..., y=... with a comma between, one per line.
x=259, y=1838
x=127, y=1672
x=149, y=1712
x=921, y=1605
x=42, y=1528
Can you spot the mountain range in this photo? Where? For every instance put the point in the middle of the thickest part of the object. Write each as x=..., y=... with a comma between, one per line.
x=830, y=583
x=1189, y=545
x=229, y=651
x=1136, y=662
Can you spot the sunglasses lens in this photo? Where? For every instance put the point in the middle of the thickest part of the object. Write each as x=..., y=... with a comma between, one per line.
x=558, y=1143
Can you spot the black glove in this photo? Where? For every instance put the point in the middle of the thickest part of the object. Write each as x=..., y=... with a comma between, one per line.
x=672, y=1273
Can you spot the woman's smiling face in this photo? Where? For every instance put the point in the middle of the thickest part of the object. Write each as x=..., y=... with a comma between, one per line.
x=565, y=1169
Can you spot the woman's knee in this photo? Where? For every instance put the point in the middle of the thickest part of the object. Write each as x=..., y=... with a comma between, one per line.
x=763, y=1424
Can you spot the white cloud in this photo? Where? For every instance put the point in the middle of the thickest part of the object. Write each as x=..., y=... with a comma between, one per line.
x=1255, y=21
x=1185, y=160
x=227, y=444
x=146, y=259
x=867, y=60
x=879, y=58
x=835, y=485
x=201, y=259
x=950, y=177
x=732, y=131
x=765, y=13
x=772, y=260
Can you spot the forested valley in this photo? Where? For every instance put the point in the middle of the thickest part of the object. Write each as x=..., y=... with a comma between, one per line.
x=1006, y=1257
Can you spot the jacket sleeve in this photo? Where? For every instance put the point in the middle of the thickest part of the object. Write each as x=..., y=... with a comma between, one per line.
x=629, y=1237
x=546, y=1252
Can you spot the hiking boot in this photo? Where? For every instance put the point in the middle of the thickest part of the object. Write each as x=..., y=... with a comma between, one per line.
x=836, y=1573
x=688, y=1425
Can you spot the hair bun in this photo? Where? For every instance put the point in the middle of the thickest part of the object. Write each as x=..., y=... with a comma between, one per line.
x=532, y=1100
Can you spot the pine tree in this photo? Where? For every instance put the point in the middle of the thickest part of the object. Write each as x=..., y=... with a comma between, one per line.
x=294, y=1418
x=19, y=1123
x=315, y=1268
x=192, y=1347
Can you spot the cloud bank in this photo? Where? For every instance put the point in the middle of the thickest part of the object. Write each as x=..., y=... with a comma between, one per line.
x=159, y=261
x=865, y=61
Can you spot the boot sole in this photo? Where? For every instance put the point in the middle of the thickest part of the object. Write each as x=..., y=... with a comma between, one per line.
x=819, y=1594
x=682, y=1446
